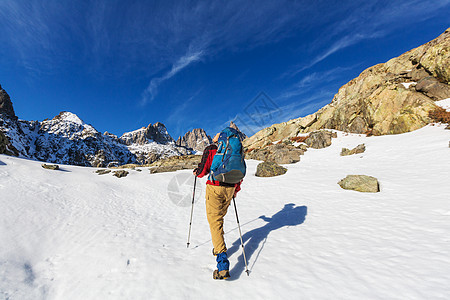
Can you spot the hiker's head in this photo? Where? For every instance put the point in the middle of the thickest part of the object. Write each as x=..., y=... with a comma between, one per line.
x=216, y=138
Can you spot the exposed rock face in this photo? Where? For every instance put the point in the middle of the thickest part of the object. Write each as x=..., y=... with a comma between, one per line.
x=175, y=163
x=6, y=147
x=151, y=143
x=152, y=133
x=432, y=88
x=197, y=140
x=320, y=139
x=358, y=149
x=390, y=98
x=6, y=106
x=278, y=153
x=269, y=169
x=360, y=183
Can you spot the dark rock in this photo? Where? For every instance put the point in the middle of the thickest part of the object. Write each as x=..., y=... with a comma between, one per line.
x=102, y=172
x=360, y=183
x=432, y=88
x=269, y=169
x=417, y=74
x=156, y=133
x=320, y=139
x=50, y=167
x=6, y=147
x=6, y=106
x=120, y=174
x=358, y=149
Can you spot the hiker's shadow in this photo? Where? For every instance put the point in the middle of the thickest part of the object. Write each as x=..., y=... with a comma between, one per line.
x=290, y=215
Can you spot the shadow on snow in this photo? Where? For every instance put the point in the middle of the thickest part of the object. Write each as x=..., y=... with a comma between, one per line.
x=290, y=215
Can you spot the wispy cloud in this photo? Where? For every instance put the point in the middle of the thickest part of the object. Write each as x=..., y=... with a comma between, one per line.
x=300, y=108
x=340, y=44
x=183, y=62
x=314, y=80
x=366, y=21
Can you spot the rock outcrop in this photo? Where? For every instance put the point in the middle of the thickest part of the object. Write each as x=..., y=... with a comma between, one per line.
x=196, y=140
x=152, y=133
x=6, y=107
x=103, y=171
x=175, y=163
x=120, y=173
x=6, y=147
x=358, y=149
x=320, y=139
x=360, y=183
x=269, y=169
x=278, y=153
x=389, y=98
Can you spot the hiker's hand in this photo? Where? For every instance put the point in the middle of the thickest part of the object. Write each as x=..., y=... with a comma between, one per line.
x=195, y=171
x=263, y=217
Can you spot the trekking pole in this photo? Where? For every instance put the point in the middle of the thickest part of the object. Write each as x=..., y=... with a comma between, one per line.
x=240, y=234
x=192, y=210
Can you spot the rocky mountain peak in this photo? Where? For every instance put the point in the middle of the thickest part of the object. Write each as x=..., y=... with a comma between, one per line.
x=152, y=133
x=197, y=140
x=242, y=135
x=6, y=106
x=69, y=117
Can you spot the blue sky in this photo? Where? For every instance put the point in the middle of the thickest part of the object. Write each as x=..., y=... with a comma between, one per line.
x=120, y=65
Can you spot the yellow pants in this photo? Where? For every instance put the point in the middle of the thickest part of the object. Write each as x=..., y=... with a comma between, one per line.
x=218, y=199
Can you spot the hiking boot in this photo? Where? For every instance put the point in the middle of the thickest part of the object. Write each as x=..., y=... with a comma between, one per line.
x=224, y=274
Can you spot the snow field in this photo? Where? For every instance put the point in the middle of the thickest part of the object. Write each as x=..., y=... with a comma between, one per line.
x=72, y=234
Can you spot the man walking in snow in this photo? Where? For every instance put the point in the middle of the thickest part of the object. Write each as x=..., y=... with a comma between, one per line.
x=218, y=198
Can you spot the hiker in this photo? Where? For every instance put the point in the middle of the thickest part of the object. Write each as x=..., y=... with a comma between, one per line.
x=219, y=194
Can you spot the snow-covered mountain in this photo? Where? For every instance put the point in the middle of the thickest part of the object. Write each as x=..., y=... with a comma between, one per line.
x=196, y=139
x=66, y=139
x=151, y=143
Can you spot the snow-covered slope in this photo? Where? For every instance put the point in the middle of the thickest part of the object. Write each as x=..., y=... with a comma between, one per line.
x=72, y=234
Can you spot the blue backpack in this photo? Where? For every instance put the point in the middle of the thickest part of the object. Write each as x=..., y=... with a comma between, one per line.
x=228, y=163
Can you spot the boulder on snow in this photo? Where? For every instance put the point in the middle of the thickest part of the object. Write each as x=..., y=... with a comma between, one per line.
x=320, y=139
x=120, y=174
x=50, y=167
x=358, y=149
x=360, y=183
x=175, y=163
x=269, y=169
x=279, y=153
x=102, y=172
